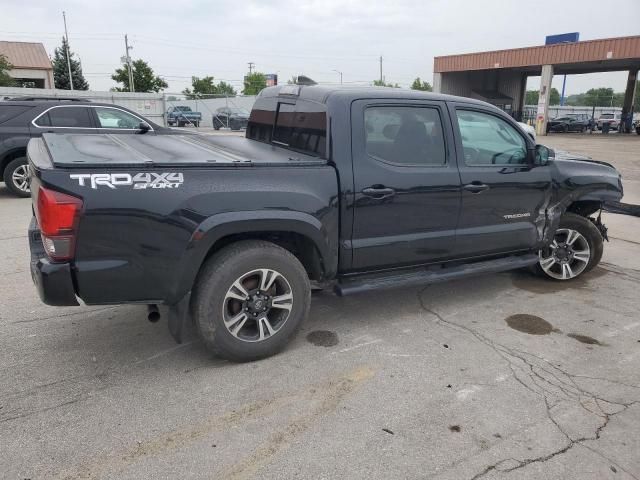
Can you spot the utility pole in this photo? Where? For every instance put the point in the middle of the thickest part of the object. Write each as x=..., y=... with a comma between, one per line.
x=339, y=73
x=381, y=70
x=251, y=65
x=128, y=60
x=66, y=36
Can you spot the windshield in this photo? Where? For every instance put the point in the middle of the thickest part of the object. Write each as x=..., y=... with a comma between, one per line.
x=183, y=109
x=606, y=115
x=238, y=111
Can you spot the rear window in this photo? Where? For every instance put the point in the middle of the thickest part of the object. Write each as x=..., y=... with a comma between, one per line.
x=299, y=125
x=7, y=112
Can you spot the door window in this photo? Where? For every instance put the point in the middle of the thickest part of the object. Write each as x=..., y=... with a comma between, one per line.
x=489, y=140
x=404, y=135
x=67, y=117
x=114, y=118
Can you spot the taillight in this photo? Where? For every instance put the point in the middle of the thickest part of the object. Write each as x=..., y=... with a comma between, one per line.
x=57, y=215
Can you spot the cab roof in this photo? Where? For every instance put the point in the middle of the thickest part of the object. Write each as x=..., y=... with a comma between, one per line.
x=322, y=93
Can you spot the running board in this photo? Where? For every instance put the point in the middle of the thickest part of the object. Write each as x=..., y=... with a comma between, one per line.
x=359, y=284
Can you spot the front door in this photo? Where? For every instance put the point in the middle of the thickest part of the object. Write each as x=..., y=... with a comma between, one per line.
x=504, y=196
x=406, y=183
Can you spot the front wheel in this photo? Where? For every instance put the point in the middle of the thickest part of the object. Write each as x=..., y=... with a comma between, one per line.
x=576, y=248
x=250, y=299
x=16, y=177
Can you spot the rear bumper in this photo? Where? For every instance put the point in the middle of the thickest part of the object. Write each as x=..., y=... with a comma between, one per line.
x=53, y=281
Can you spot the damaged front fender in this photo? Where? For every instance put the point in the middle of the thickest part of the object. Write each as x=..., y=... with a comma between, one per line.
x=580, y=186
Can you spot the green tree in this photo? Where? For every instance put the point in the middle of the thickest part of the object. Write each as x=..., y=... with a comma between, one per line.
x=382, y=83
x=205, y=86
x=61, y=69
x=599, y=97
x=144, y=80
x=531, y=97
x=253, y=83
x=293, y=80
x=420, y=85
x=5, y=66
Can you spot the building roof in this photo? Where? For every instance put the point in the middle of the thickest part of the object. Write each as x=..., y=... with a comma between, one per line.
x=28, y=55
x=619, y=52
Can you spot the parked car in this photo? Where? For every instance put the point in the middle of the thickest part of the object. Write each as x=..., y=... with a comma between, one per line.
x=569, y=123
x=612, y=118
x=27, y=117
x=233, y=118
x=183, y=115
x=355, y=189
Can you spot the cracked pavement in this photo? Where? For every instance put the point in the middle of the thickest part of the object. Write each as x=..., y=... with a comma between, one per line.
x=429, y=382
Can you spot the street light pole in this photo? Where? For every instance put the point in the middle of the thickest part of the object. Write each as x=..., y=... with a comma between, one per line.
x=339, y=73
x=66, y=35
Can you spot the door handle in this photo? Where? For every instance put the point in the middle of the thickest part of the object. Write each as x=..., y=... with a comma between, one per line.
x=476, y=187
x=378, y=192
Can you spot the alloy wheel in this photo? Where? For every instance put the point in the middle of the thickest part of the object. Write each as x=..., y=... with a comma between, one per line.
x=567, y=256
x=20, y=178
x=257, y=305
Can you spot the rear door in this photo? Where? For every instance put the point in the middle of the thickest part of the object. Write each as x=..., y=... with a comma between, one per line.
x=504, y=197
x=64, y=119
x=407, y=186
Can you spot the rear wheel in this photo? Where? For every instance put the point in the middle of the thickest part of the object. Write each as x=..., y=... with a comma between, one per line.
x=250, y=299
x=565, y=128
x=576, y=248
x=16, y=177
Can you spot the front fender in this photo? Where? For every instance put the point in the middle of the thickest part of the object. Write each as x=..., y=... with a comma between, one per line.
x=578, y=180
x=222, y=225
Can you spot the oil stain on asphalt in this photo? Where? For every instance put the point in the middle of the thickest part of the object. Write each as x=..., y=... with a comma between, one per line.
x=584, y=339
x=323, y=338
x=523, y=322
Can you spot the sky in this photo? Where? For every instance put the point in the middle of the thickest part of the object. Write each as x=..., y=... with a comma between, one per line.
x=315, y=38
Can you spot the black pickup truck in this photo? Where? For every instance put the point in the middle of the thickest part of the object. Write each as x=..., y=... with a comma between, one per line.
x=354, y=189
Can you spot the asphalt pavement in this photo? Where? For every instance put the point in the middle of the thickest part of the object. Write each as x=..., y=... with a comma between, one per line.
x=500, y=376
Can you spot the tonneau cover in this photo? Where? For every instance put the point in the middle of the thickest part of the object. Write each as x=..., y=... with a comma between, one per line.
x=81, y=150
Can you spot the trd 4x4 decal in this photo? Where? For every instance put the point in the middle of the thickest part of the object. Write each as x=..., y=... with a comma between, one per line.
x=139, y=181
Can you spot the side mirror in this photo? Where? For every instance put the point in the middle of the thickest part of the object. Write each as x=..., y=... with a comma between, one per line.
x=144, y=127
x=542, y=155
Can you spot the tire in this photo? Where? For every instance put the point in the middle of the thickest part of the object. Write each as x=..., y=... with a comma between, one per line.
x=565, y=128
x=16, y=177
x=216, y=299
x=196, y=124
x=589, y=240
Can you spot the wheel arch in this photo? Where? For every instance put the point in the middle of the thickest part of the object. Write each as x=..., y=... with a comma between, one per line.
x=301, y=234
x=584, y=207
x=10, y=156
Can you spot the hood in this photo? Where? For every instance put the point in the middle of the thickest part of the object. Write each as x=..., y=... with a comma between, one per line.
x=562, y=155
x=586, y=178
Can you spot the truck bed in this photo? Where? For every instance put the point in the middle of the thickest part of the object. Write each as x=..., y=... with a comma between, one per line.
x=80, y=151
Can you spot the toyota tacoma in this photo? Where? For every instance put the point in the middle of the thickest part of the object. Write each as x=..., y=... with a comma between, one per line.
x=352, y=189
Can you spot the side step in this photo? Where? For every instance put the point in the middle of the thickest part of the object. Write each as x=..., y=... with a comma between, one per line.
x=363, y=283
